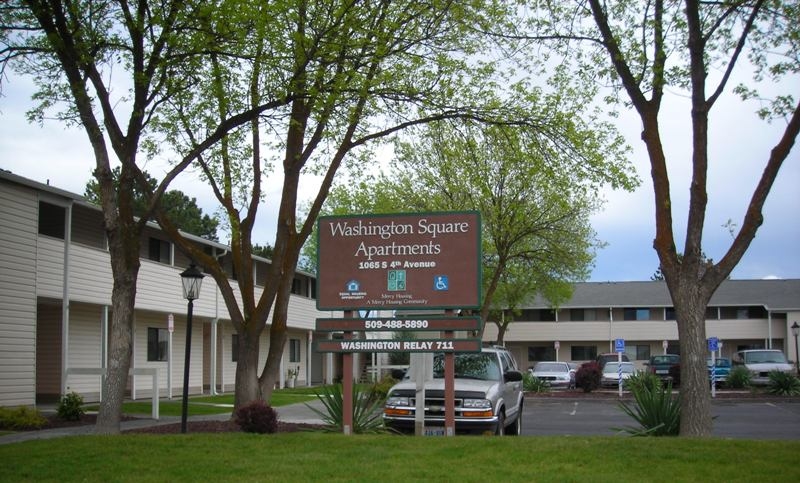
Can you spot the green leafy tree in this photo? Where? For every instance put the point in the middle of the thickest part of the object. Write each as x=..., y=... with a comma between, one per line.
x=182, y=210
x=648, y=49
x=534, y=187
x=339, y=77
x=112, y=68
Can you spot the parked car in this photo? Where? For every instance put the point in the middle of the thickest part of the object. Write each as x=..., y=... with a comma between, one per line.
x=722, y=367
x=760, y=362
x=610, y=376
x=661, y=365
x=602, y=359
x=488, y=396
x=556, y=374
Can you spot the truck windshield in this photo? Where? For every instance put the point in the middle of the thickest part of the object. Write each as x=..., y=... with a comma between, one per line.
x=469, y=366
x=769, y=357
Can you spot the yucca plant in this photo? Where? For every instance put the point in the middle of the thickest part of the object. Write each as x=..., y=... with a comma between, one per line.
x=656, y=411
x=534, y=384
x=642, y=380
x=783, y=384
x=366, y=410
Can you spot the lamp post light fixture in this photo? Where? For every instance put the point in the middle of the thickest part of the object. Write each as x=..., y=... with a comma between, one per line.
x=795, y=332
x=192, y=279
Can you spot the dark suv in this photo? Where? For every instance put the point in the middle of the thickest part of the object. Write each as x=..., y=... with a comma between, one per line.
x=488, y=396
x=662, y=366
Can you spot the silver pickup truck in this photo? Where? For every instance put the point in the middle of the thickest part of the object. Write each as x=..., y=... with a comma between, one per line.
x=488, y=396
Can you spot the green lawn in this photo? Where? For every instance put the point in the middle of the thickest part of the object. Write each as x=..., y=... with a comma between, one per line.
x=213, y=404
x=335, y=457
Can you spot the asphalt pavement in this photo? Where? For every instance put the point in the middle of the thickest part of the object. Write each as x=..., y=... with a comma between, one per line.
x=734, y=418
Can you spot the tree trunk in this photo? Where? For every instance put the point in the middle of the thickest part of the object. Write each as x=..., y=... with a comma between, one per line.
x=695, y=396
x=123, y=299
x=247, y=388
x=277, y=340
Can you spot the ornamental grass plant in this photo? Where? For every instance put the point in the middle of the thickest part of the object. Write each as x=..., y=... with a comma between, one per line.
x=367, y=415
x=656, y=411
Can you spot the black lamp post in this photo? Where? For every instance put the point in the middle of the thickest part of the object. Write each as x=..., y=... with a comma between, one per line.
x=795, y=332
x=191, y=278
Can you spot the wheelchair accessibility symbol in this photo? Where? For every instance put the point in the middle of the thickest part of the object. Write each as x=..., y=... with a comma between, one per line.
x=440, y=283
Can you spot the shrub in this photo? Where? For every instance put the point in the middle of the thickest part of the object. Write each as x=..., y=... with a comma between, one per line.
x=21, y=418
x=257, y=417
x=588, y=376
x=656, y=411
x=675, y=374
x=366, y=411
x=534, y=384
x=738, y=378
x=70, y=406
x=783, y=384
x=643, y=380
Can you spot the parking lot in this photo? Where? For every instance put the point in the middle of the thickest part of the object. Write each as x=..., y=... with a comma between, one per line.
x=747, y=419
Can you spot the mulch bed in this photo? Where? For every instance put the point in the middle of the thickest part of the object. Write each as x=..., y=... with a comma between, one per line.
x=226, y=426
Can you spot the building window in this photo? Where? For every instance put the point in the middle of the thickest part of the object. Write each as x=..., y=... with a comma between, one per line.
x=637, y=352
x=583, y=353
x=536, y=315
x=636, y=314
x=158, y=250
x=538, y=353
x=300, y=286
x=52, y=220
x=669, y=313
x=577, y=315
x=235, y=348
x=294, y=350
x=157, y=345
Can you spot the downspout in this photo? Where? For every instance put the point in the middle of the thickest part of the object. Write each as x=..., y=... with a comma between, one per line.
x=213, y=375
x=103, y=347
x=610, y=331
x=65, y=298
x=309, y=348
x=214, y=355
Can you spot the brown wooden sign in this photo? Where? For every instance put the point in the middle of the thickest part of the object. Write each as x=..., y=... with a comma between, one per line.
x=431, y=322
x=394, y=345
x=428, y=260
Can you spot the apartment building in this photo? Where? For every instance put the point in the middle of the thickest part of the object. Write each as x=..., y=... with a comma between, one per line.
x=742, y=314
x=55, y=303
x=55, y=296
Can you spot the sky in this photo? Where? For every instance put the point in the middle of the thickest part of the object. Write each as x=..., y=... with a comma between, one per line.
x=739, y=146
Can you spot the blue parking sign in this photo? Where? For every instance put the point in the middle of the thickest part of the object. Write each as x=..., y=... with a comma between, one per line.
x=713, y=344
x=619, y=345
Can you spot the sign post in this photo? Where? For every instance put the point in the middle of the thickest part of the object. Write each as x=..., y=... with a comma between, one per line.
x=713, y=347
x=619, y=348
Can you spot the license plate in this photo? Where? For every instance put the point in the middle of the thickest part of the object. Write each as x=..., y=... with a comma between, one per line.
x=435, y=431
x=662, y=371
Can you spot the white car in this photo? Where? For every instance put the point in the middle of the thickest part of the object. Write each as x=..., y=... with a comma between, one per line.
x=760, y=362
x=556, y=374
x=611, y=373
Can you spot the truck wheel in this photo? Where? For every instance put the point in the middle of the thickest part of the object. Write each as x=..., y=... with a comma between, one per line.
x=501, y=425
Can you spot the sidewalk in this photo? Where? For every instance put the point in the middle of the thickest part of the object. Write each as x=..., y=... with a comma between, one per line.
x=293, y=413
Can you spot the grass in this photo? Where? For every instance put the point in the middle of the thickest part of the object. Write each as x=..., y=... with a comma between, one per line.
x=335, y=457
x=214, y=404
